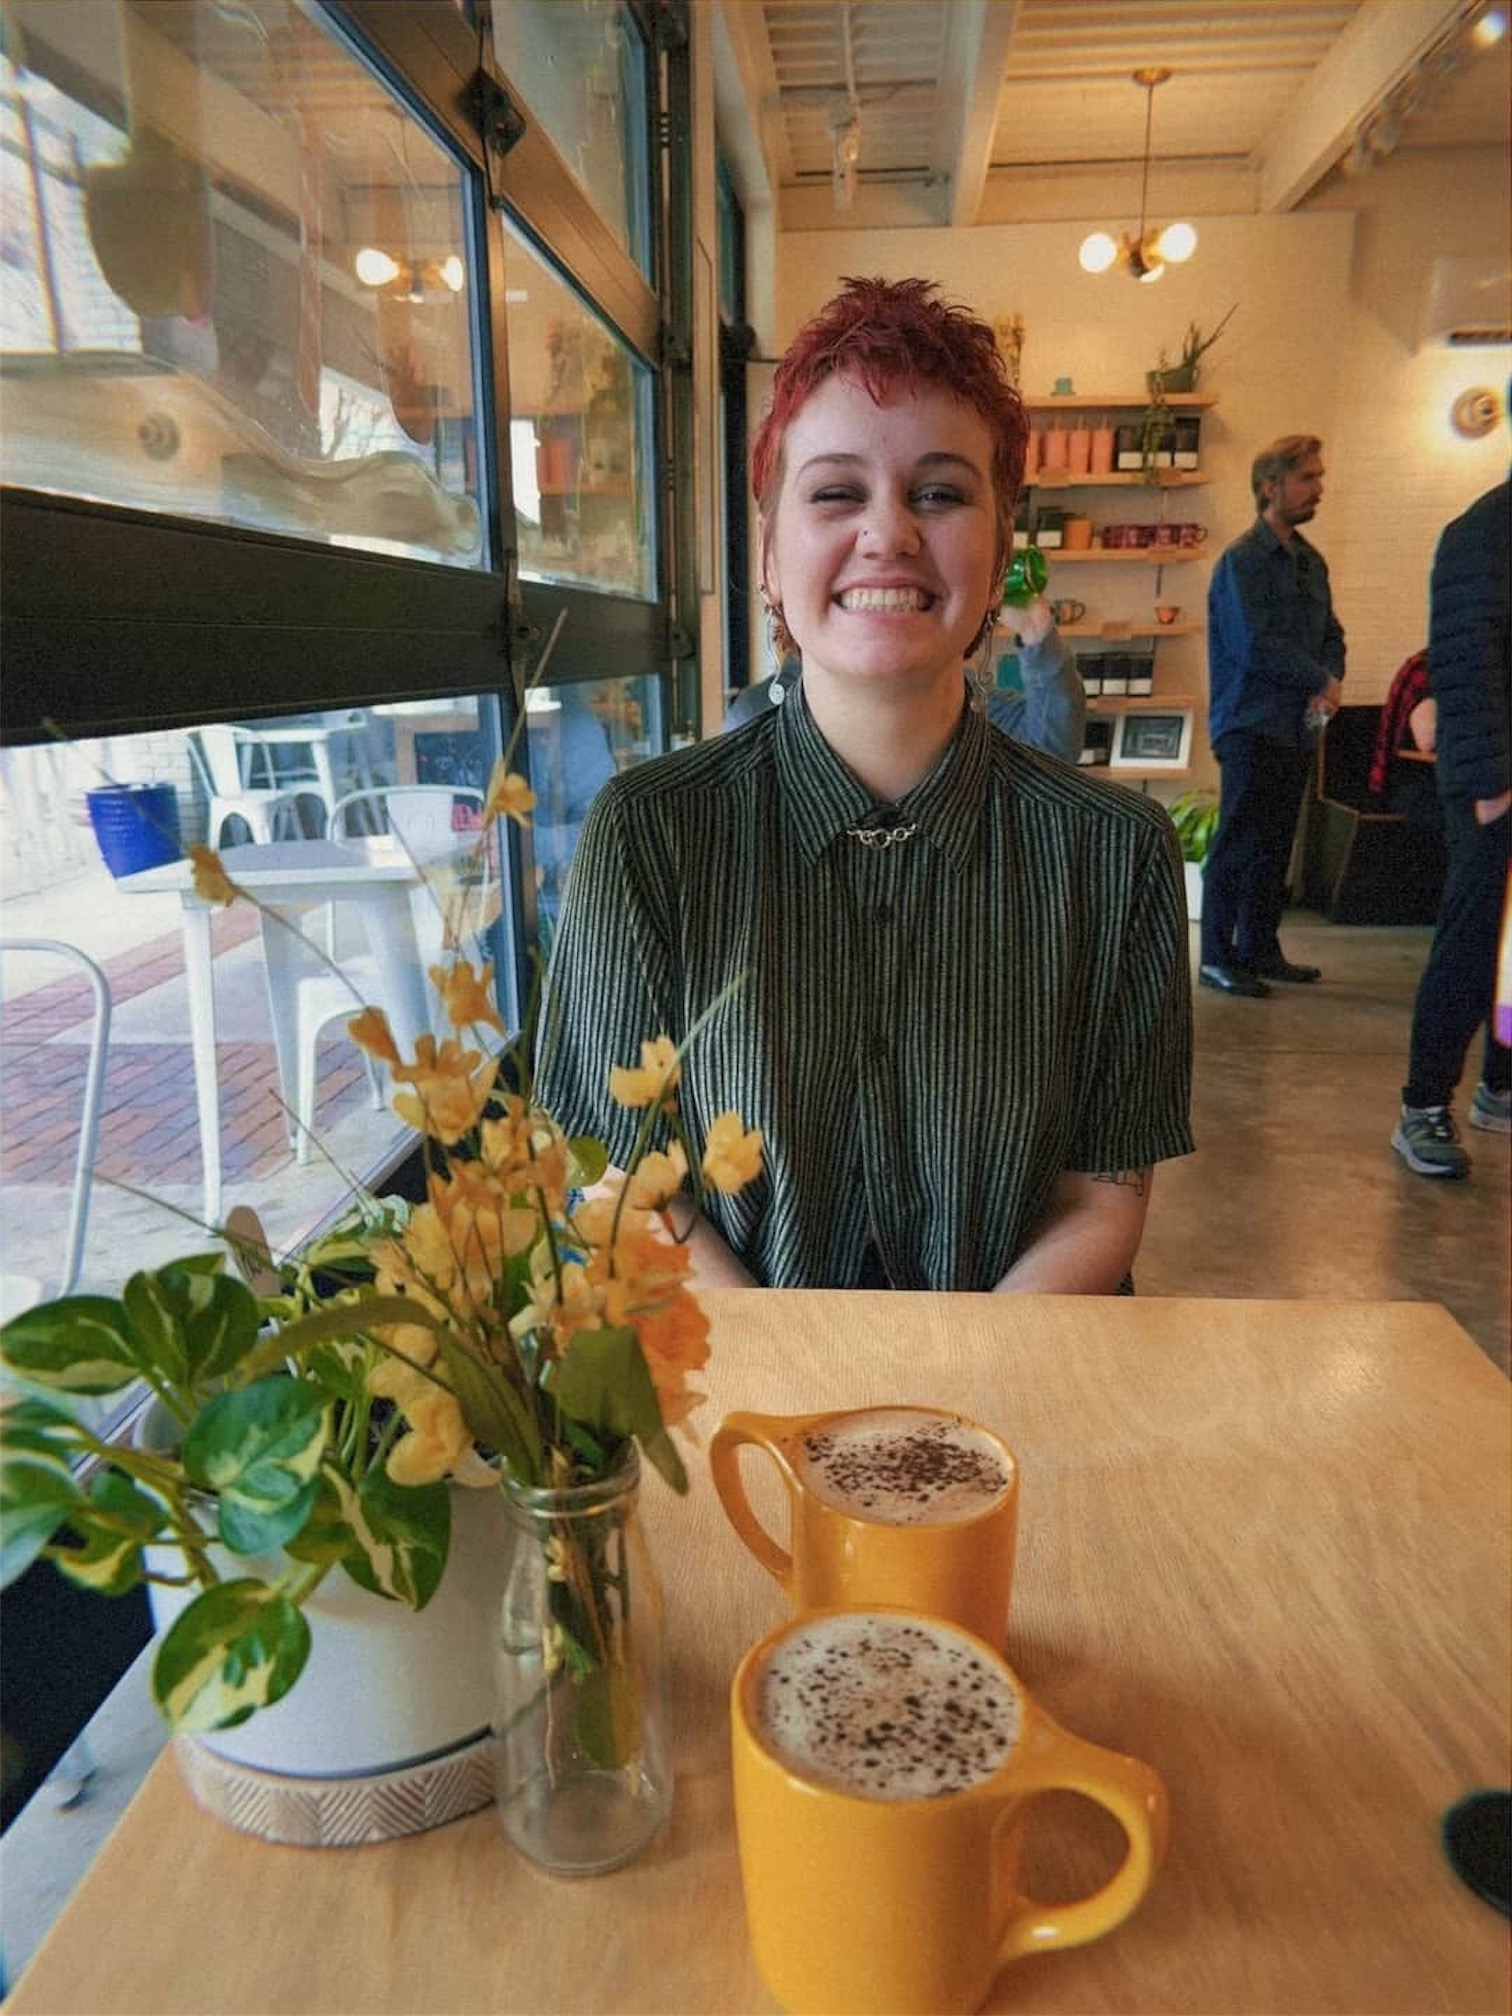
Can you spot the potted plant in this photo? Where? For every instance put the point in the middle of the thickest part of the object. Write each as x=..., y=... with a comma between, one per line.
x=520, y=1328
x=1182, y=377
x=1195, y=816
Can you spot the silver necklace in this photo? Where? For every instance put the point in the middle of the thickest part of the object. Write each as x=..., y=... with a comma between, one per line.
x=882, y=836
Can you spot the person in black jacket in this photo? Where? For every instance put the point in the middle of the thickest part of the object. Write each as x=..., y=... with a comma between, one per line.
x=1470, y=670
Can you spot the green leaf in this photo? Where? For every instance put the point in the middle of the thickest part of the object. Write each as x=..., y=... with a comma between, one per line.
x=194, y=1324
x=113, y=1526
x=326, y=1537
x=81, y=1344
x=37, y=1496
x=492, y=1409
x=403, y=1534
x=237, y=1647
x=602, y=1381
x=587, y=1159
x=259, y=1450
x=607, y=1716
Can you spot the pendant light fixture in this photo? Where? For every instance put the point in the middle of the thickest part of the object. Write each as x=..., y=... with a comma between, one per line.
x=1147, y=254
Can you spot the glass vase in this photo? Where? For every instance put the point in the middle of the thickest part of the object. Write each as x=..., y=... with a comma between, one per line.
x=581, y=1766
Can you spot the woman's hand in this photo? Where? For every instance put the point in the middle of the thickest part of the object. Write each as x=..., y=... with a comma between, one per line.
x=1086, y=1239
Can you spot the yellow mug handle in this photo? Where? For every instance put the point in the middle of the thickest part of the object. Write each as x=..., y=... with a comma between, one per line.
x=1132, y=1793
x=760, y=1431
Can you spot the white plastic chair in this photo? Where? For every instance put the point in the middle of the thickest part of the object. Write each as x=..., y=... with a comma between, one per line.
x=422, y=817
x=18, y=1291
x=225, y=761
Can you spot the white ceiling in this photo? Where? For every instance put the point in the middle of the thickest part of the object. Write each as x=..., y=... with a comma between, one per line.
x=957, y=98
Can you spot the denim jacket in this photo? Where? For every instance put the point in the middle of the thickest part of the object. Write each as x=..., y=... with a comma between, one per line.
x=1273, y=639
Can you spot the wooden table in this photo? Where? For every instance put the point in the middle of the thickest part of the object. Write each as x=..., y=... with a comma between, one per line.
x=1263, y=1546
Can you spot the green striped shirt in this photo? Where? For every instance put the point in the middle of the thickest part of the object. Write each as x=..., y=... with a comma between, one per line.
x=927, y=1035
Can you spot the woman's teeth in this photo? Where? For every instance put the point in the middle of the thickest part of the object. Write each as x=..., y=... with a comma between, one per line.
x=861, y=600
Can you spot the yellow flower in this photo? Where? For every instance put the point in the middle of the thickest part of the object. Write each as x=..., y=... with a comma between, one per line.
x=466, y=995
x=438, y=1437
x=509, y=797
x=731, y=1157
x=211, y=882
x=451, y=1090
x=370, y=1031
x=395, y=1378
x=657, y=1177
x=655, y=1080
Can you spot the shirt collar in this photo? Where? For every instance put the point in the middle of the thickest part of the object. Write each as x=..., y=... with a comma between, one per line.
x=824, y=800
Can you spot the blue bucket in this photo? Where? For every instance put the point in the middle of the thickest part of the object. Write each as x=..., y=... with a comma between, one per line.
x=135, y=825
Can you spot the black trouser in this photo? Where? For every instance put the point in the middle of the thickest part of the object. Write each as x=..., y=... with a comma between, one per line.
x=1457, y=991
x=1244, y=883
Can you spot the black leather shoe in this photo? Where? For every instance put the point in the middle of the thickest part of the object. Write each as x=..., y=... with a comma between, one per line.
x=1232, y=980
x=1283, y=969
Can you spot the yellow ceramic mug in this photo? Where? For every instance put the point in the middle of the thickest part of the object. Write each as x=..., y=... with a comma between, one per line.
x=882, y=1763
x=906, y=1505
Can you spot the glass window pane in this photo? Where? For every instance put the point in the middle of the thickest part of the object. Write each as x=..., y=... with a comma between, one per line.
x=239, y=279
x=354, y=894
x=582, y=70
x=577, y=737
x=580, y=434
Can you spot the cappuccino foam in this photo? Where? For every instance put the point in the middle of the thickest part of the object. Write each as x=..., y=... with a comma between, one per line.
x=902, y=1467
x=885, y=1707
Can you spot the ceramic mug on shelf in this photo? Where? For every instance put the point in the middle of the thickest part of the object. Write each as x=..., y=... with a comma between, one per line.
x=1068, y=610
x=1192, y=535
x=1076, y=535
x=1165, y=535
x=895, y=1504
x=1166, y=612
x=885, y=1767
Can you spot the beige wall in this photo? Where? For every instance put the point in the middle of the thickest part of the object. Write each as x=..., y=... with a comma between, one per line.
x=1324, y=340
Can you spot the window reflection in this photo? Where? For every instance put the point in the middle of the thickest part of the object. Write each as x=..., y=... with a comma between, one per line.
x=582, y=72
x=577, y=737
x=238, y=279
x=580, y=433
x=358, y=832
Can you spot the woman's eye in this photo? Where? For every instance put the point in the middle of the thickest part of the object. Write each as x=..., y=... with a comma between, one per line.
x=935, y=495
x=836, y=493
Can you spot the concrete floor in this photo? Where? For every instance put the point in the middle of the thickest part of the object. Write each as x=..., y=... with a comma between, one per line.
x=1294, y=1190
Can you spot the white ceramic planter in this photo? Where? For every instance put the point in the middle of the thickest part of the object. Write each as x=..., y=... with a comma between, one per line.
x=1193, y=872
x=386, y=1731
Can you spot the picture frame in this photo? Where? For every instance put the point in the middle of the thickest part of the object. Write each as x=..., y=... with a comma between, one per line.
x=1152, y=738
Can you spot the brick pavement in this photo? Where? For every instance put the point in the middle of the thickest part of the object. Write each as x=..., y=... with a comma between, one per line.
x=149, y=1129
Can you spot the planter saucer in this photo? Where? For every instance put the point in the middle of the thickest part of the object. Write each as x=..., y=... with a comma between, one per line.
x=340, y=1812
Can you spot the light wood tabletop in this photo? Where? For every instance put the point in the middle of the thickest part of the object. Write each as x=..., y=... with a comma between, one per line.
x=1263, y=1546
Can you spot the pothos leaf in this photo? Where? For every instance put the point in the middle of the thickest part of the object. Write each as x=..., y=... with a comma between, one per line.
x=237, y=1647
x=259, y=1450
x=81, y=1344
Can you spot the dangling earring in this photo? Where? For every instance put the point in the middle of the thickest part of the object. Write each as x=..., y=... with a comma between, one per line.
x=979, y=680
x=779, y=638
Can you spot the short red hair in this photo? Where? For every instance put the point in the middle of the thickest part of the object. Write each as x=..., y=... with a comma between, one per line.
x=892, y=334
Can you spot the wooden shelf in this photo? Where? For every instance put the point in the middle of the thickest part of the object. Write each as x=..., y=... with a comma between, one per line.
x=1143, y=556
x=1158, y=479
x=1126, y=633
x=1111, y=402
x=1119, y=702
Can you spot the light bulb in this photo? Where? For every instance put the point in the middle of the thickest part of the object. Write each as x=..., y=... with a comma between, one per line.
x=374, y=268
x=1152, y=272
x=1176, y=243
x=1097, y=252
x=1490, y=28
x=452, y=272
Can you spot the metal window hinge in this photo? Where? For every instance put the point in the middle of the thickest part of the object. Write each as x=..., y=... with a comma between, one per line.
x=502, y=126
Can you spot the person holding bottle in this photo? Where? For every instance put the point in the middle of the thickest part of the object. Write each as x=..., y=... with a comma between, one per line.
x=944, y=975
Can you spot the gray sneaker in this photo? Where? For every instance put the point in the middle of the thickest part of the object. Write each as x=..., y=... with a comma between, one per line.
x=1427, y=1140
x=1491, y=1111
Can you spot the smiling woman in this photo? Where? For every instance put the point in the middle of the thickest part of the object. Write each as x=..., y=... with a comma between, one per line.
x=944, y=974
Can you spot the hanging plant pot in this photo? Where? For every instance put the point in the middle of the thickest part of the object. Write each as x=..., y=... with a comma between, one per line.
x=1173, y=378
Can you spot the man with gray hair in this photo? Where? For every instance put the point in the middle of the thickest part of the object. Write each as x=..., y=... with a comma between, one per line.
x=1275, y=662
